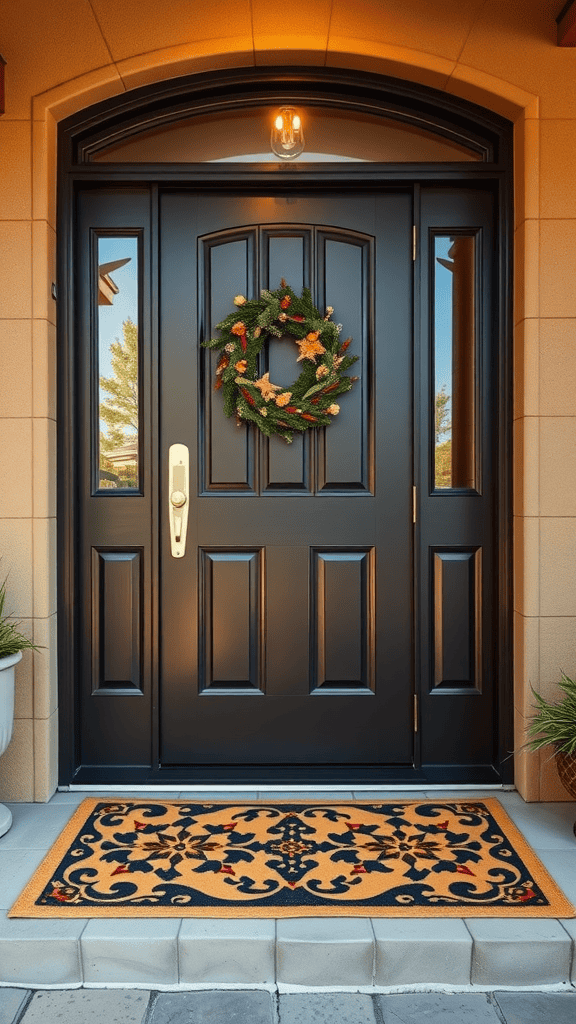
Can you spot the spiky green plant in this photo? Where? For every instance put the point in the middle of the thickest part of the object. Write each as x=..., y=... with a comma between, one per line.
x=555, y=723
x=11, y=639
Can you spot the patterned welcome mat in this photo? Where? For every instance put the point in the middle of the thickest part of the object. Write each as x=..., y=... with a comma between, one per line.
x=172, y=858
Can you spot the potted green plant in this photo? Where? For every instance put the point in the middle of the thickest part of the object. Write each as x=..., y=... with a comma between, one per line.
x=554, y=724
x=12, y=643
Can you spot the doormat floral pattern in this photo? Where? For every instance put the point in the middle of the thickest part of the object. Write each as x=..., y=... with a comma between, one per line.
x=172, y=858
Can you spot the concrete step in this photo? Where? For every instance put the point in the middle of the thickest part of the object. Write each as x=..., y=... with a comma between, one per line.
x=339, y=952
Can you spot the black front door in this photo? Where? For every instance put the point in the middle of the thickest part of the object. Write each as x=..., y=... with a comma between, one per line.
x=286, y=632
x=329, y=584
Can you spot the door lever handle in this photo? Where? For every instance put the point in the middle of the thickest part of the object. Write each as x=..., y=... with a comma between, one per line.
x=178, y=491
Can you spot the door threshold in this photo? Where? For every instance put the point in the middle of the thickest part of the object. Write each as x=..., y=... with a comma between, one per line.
x=302, y=788
x=289, y=777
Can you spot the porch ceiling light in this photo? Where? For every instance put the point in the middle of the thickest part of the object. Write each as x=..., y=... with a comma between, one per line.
x=287, y=136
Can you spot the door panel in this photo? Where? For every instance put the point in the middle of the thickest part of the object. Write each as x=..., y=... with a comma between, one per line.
x=115, y=526
x=457, y=580
x=285, y=251
x=344, y=658
x=297, y=575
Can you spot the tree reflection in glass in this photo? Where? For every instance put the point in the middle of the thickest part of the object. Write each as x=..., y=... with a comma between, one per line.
x=454, y=362
x=118, y=363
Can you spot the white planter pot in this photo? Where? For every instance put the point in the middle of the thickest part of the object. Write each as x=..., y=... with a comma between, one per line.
x=7, y=668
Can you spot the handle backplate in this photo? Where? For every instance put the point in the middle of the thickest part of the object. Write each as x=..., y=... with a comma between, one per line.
x=178, y=497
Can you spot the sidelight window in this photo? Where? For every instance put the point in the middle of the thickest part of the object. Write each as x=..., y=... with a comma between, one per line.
x=455, y=362
x=118, y=370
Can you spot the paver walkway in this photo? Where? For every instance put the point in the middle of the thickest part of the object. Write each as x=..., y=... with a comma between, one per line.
x=130, y=1006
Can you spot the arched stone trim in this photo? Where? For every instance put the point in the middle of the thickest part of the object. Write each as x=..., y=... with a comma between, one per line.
x=495, y=94
x=457, y=79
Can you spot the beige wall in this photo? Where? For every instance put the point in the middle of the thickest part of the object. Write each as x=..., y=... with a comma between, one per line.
x=63, y=57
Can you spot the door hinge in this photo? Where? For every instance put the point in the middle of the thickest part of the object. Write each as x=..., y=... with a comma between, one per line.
x=415, y=712
x=414, y=504
x=414, y=241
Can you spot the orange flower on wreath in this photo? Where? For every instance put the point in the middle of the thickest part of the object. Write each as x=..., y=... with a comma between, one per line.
x=284, y=398
x=310, y=347
x=239, y=329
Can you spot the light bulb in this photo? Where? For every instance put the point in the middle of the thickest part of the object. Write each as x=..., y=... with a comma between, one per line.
x=287, y=137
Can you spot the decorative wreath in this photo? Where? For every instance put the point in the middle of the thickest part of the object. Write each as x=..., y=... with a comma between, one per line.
x=310, y=400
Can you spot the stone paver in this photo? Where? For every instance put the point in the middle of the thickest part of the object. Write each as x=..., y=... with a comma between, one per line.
x=16, y=869
x=227, y=1007
x=560, y=864
x=570, y=927
x=413, y=951
x=325, y=951
x=370, y=796
x=297, y=796
x=131, y=950
x=216, y=795
x=326, y=1008
x=40, y=952
x=438, y=1008
x=81, y=1006
x=513, y=952
x=36, y=827
x=130, y=1006
x=11, y=999
x=537, y=1007
x=227, y=951
x=551, y=829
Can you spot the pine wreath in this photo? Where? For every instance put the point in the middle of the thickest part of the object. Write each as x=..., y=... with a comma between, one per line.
x=310, y=400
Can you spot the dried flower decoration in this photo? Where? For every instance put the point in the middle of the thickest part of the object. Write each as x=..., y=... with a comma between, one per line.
x=284, y=398
x=275, y=409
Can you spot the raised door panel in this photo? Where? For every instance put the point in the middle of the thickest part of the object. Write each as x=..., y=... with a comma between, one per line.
x=285, y=252
x=342, y=645
x=227, y=454
x=457, y=604
x=117, y=616
x=345, y=281
x=231, y=630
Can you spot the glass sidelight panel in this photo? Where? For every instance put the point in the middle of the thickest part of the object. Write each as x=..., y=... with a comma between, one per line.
x=455, y=359
x=118, y=364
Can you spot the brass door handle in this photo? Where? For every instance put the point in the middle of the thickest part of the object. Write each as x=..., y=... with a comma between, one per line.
x=178, y=491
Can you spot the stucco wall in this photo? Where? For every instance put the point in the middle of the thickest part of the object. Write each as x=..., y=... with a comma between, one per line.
x=63, y=57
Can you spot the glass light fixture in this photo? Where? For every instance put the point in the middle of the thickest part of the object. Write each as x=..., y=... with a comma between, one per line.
x=287, y=137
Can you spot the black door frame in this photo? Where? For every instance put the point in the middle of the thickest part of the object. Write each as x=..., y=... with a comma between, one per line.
x=84, y=133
